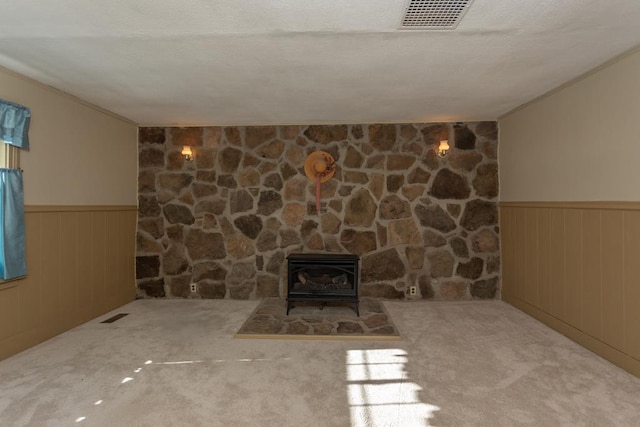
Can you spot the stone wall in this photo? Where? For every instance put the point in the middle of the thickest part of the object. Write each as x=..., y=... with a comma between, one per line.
x=227, y=220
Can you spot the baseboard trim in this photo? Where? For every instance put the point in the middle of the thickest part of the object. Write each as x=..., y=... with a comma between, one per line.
x=600, y=348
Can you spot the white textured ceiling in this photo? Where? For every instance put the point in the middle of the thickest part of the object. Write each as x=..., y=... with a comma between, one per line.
x=235, y=62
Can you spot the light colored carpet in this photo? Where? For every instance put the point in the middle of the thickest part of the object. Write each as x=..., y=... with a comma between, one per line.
x=175, y=363
x=311, y=320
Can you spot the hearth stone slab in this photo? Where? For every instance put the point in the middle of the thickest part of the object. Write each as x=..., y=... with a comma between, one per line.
x=335, y=321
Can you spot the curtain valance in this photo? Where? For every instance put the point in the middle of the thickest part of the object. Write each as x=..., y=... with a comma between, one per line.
x=14, y=124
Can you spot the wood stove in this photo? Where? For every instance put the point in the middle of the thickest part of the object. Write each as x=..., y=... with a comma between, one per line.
x=322, y=278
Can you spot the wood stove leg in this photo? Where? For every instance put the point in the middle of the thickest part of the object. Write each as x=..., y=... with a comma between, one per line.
x=289, y=305
x=357, y=309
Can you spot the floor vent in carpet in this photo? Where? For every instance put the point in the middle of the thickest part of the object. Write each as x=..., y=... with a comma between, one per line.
x=114, y=318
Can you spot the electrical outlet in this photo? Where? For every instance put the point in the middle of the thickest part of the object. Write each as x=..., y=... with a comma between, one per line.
x=194, y=287
x=413, y=290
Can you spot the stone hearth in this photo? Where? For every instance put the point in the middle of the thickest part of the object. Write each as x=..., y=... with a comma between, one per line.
x=307, y=319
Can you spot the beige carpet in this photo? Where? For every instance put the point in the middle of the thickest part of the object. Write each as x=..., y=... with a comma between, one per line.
x=176, y=363
x=308, y=320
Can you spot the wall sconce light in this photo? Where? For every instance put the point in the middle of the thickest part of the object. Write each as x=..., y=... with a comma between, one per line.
x=443, y=148
x=187, y=153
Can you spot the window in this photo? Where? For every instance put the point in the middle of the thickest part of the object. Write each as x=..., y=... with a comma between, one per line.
x=14, y=136
x=9, y=156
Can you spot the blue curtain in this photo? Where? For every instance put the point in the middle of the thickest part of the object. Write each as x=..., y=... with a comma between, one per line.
x=12, y=240
x=14, y=124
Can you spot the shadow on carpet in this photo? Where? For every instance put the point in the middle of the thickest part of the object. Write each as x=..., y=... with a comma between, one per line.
x=336, y=321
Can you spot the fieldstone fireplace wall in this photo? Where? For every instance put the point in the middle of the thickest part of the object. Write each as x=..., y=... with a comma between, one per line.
x=227, y=220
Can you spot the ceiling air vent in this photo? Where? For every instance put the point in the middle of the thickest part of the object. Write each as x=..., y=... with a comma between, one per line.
x=434, y=14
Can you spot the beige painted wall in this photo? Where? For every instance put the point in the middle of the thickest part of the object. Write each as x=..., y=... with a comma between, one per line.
x=569, y=212
x=81, y=208
x=79, y=155
x=580, y=143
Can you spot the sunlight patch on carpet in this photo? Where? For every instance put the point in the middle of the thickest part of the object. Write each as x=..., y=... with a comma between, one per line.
x=381, y=392
x=307, y=321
